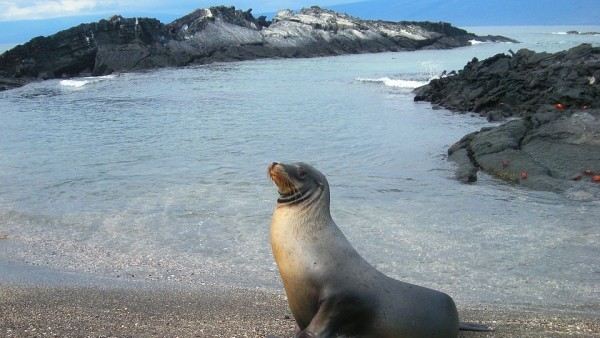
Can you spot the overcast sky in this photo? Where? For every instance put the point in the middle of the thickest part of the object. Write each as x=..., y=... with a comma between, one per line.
x=15, y=10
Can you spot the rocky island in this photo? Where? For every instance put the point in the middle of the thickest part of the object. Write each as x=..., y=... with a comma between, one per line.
x=552, y=139
x=582, y=33
x=215, y=34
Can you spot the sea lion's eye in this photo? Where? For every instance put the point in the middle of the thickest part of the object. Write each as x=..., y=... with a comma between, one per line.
x=301, y=172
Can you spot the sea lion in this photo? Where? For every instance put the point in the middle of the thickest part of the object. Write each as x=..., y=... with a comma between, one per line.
x=332, y=291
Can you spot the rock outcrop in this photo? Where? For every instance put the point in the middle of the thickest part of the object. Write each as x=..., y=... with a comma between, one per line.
x=555, y=142
x=518, y=85
x=553, y=152
x=215, y=34
x=582, y=33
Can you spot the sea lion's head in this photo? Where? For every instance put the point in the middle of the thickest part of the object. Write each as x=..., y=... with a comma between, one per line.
x=297, y=182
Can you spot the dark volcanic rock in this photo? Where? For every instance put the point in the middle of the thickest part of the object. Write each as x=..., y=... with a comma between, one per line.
x=582, y=33
x=557, y=155
x=518, y=85
x=215, y=34
x=555, y=145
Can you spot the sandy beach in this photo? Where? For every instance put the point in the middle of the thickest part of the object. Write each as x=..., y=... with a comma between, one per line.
x=36, y=302
x=94, y=312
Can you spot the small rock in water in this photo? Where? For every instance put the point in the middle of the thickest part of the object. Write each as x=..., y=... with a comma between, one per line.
x=3, y=236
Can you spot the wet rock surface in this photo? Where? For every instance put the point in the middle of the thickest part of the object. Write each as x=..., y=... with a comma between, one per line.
x=212, y=35
x=554, y=144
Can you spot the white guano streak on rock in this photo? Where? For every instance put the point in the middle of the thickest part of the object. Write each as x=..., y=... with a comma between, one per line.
x=220, y=33
x=358, y=34
x=291, y=34
x=402, y=32
x=284, y=26
x=324, y=19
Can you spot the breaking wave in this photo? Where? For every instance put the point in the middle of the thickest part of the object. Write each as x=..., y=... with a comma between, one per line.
x=476, y=42
x=80, y=82
x=396, y=83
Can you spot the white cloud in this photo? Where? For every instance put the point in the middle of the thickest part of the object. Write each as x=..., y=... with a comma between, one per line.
x=43, y=9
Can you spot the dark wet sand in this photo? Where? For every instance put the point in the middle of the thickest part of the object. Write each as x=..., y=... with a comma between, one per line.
x=215, y=312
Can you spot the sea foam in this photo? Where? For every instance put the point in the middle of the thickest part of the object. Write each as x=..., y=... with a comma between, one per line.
x=396, y=83
x=80, y=82
x=476, y=42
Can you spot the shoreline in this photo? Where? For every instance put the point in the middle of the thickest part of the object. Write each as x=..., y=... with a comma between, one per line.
x=37, y=301
x=218, y=312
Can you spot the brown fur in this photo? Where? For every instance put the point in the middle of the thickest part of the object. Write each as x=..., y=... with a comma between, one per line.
x=282, y=180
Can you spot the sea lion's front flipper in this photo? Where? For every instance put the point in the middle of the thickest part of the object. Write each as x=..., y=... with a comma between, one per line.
x=344, y=314
x=304, y=334
x=320, y=324
x=474, y=327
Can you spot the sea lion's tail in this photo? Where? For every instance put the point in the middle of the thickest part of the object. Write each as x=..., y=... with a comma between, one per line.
x=474, y=327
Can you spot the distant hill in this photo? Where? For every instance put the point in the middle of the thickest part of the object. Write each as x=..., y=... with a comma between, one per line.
x=480, y=12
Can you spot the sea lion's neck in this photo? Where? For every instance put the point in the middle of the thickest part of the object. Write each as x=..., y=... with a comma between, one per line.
x=298, y=197
x=307, y=212
x=310, y=205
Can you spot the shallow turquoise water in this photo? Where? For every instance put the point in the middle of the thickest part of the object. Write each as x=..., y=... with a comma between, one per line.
x=162, y=175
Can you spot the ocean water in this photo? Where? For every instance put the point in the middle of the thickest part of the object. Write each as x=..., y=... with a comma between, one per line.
x=161, y=175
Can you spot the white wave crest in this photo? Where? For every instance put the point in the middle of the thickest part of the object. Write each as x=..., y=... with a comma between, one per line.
x=396, y=83
x=73, y=83
x=80, y=82
x=560, y=33
x=476, y=42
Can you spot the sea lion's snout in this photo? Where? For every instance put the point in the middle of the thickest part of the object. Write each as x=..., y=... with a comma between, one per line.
x=271, y=167
x=280, y=177
x=272, y=171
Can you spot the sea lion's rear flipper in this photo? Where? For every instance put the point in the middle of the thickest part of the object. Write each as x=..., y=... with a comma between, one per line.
x=474, y=327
